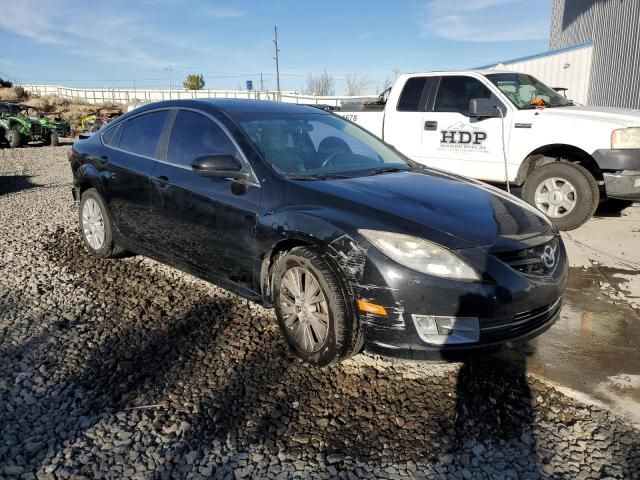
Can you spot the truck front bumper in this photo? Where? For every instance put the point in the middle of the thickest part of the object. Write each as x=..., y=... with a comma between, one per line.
x=621, y=172
x=624, y=184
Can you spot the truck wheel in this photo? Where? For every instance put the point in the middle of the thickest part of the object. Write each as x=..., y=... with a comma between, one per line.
x=565, y=192
x=312, y=310
x=14, y=138
x=53, y=139
x=95, y=226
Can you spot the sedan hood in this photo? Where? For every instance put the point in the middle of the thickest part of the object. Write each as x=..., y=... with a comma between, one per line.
x=455, y=212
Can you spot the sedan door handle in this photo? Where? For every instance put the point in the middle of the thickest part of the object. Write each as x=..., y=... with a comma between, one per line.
x=430, y=125
x=162, y=181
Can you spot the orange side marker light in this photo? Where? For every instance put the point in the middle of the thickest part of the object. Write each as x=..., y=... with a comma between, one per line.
x=369, y=307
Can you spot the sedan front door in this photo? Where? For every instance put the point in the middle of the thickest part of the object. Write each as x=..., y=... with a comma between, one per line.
x=205, y=222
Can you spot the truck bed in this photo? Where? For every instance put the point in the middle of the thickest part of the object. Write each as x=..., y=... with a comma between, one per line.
x=370, y=120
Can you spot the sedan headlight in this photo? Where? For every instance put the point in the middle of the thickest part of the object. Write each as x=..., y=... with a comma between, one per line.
x=420, y=255
x=626, y=138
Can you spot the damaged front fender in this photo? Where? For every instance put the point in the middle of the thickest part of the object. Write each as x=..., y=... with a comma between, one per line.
x=285, y=230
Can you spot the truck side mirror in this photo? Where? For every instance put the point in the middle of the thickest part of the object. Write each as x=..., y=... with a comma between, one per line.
x=483, y=108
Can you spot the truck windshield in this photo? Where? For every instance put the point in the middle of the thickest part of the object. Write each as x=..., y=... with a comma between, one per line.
x=526, y=91
x=318, y=146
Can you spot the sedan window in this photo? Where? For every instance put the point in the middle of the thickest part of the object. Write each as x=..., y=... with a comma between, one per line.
x=140, y=134
x=318, y=145
x=195, y=135
x=110, y=136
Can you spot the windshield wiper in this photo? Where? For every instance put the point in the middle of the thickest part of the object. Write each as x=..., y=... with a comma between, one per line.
x=377, y=171
x=317, y=176
x=570, y=104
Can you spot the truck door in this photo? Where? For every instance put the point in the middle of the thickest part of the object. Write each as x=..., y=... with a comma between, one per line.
x=404, y=124
x=458, y=143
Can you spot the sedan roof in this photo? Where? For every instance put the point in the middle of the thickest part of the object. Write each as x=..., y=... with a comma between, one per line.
x=232, y=106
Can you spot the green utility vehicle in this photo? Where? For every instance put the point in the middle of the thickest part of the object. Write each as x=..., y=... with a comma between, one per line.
x=53, y=127
x=18, y=129
x=56, y=121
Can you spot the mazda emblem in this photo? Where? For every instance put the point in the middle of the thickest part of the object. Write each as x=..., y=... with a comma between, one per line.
x=548, y=256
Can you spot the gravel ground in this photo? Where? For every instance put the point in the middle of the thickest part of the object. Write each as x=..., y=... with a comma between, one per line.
x=128, y=368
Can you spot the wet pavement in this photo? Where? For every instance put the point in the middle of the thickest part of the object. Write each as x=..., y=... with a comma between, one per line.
x=593, y=351
x=593, y=348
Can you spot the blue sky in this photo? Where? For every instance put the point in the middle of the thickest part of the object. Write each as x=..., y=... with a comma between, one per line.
x=114, y=42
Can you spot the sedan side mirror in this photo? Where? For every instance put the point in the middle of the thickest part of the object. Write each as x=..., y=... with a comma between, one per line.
x=219, y=165
x=483, y=108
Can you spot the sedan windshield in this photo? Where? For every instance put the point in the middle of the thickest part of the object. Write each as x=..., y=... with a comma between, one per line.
x=318, y=146
x=526, y=91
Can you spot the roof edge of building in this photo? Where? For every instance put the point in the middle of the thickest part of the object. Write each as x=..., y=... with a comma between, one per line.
x=548, y=53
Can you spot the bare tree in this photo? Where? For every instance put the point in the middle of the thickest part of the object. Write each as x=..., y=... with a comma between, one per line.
x=386, y=84
x=320, y=84
x=356, y=84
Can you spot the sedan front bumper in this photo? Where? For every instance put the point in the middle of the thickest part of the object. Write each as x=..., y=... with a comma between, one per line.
x=508, y=305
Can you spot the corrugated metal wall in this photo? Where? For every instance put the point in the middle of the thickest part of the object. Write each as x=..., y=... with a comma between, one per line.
x=567, y=68
x=614, y=28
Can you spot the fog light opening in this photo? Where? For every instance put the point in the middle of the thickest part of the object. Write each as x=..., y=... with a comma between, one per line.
x=440, y=330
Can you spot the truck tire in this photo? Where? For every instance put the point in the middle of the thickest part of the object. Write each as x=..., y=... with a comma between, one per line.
x=13, y=137
x=565, y=192
x=312, y=308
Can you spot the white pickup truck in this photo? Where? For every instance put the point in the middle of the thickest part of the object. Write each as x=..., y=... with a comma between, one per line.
x=502, y=126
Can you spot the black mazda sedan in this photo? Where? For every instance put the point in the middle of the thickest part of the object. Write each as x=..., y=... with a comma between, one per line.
x=354, y=245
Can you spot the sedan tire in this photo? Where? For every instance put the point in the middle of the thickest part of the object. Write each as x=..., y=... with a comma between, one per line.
x=311, y=308
x=95, y=226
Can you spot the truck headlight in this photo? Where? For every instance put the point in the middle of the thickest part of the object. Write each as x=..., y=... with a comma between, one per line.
x=420, y=255
x=626, y=138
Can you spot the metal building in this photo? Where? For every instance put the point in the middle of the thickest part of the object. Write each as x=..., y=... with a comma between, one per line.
x=613, y=26
x=568, y=68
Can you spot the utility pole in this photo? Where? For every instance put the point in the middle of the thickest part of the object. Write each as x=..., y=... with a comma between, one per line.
x=261, y=83
x=277, y=59
x=169, y=69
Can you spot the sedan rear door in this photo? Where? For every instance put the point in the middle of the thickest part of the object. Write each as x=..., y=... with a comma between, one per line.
x=124, y=168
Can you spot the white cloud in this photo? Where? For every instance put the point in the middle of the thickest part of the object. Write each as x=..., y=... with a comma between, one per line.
x=98, y=33
x=222, y=11
x=364, y=36
x=483, y=20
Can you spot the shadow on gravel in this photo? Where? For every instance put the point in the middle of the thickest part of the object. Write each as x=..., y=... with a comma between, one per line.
x=102, y=362
x=15, y=183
